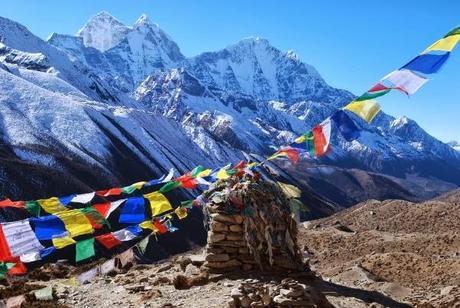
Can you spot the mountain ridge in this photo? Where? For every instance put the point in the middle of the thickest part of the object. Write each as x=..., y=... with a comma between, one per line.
x=248, y=97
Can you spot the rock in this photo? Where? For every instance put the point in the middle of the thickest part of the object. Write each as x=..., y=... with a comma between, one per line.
x=164, y=268
x=191, y=270
x=266, y=299
x=215, y=237
x=243, y=250
x=247, y=267
x=236, y=293
x=236, y=228
x=223, y=218
x=223, y=265
x=231, y=304
x=217, y=257
x=214, y=250
x=280, y=299
x=245, y=302
x=231, y=249
x=219, y=227
x=235, y=237
x=230, y=244
x=238, y=219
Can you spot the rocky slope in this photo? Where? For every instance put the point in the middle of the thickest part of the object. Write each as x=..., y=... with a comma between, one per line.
x=119, y=103
x=405, y=250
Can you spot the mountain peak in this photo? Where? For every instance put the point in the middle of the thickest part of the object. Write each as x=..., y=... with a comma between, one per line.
x=102, y=31
x=143, y=20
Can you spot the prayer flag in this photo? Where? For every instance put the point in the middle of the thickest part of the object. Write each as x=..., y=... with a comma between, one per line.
x=105, y=209
x=163, y=179
x=345, y=125
x=66, y=200
x=169, y=186
x=108, y=240
x=109, y=192
x=133, y=212
x=84, y=249
x=158, y=203
x=52, y=205
x=374, y=92
x=187, y=181
x=367, y=110
x=5, y=253
x=75, y=222
x=20, y=238
x=127, y=234
x=289, y=152
x=33, y=207
x=161, y=228
x=427, y=63
x=196, y=171
x=322, y=136
x=47, y=227
x=61, y=242
x=83, y=198
x=9, y=203
x=444, y=44
x=406, y=81
x=47, y=251
x=181, y=212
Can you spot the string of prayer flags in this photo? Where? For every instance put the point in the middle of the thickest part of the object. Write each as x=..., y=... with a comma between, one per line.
x=84, y=249
x=133, y=212
x=162, y=179
x=367, y=110
x=158, y=203
x=170, y=186
x=128, y=233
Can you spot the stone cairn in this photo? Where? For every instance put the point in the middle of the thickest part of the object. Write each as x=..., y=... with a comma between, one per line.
x=250, y=227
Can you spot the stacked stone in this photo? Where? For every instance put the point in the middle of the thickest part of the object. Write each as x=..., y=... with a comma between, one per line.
x=287, y=293
x=250, y=226
x=227, y=248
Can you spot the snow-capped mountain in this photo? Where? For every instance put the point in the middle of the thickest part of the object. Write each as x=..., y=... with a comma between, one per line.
x=117, y=103
x=455, y=145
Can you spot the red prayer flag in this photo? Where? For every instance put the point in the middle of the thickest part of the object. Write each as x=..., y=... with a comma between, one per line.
x=319, y=140
x=102, y=208
x=5, y=253
x=9, y=203
x=161, y=228
x=109, y=192
x=108, y=240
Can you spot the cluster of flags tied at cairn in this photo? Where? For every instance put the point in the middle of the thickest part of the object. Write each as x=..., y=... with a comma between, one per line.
x=84, y=219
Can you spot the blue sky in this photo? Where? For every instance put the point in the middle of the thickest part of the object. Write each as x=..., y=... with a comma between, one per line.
x=351, y=43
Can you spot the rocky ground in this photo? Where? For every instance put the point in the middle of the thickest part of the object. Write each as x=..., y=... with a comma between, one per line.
x=408, y=252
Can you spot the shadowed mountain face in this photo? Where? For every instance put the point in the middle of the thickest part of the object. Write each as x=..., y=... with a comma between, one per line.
x=117, y=104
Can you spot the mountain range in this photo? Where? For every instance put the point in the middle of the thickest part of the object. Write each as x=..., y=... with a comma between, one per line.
x=116, y=104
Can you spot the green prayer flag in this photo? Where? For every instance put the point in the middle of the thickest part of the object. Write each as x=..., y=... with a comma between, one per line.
x=231, y=171
x=84, y=249
x=372, y=95
x=142, y=245
x=187, y=204
x=196, y=171
x=4, y=268
x=128, y=189
x=34, y=208
x=96, y=217
x=169, y=186
x=453, y=32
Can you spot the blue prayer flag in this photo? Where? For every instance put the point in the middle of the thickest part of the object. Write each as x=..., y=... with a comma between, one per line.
x=345, y=125
x=427, y=63
x=47, y=251
x=47, y=227
x=133, y=212
x=66, y=200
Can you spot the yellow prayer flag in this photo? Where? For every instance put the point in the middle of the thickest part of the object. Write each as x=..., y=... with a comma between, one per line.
x=300, y=139
x=61, y=242
x=222, y=174
x=181, y=212
x=75, y=222
x=52, y=205
x=158, y=203
x=204, y=173
x=138, y=185
x=253, y=164
x=444, y=44
x=367, y=109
